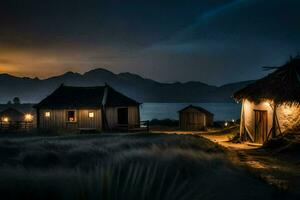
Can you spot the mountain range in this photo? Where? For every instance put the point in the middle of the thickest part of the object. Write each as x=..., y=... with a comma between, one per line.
x=141, y=89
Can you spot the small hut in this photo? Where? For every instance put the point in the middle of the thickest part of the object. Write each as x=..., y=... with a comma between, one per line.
x=194, y=118
x=87, y=108
x=270, y=106
x=13, y=119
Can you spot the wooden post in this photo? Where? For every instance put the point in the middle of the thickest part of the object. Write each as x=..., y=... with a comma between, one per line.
x=103, y=109
x=139, y=117
x=274, y=121
x=38, y=118
x=242, y=125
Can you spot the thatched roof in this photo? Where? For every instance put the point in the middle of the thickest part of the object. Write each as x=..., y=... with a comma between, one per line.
x=84, y=97
x=281, y=86
x=200, y=109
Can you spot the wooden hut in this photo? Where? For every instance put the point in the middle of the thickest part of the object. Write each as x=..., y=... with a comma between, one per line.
x=87, y=108
x=270, y=106
x=195, y=118
x=13, y=119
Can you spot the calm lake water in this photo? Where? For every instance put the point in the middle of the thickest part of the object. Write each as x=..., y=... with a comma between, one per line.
x=221, y=111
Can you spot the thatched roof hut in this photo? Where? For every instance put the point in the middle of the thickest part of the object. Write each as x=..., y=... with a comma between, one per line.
x=270, y=106
x=281, y=86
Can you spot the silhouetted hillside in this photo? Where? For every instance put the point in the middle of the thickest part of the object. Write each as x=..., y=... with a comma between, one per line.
x=135, y=86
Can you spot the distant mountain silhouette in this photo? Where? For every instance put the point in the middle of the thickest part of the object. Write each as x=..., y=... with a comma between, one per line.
x=133, y=85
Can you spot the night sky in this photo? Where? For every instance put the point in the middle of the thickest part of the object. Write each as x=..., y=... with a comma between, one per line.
x=214, y=41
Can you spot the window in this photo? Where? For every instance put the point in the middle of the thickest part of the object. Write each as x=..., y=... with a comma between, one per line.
x=123, y=116
x=47, y=114
x=5, y=119
x=91, y=114
x=28, y=117
x=71, y=117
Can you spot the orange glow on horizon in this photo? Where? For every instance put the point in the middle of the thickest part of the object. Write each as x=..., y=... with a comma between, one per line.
x=46, y=62
x=35, y=63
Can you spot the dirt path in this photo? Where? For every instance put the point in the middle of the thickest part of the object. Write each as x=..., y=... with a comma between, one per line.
x=255, y=159
x=261, y=163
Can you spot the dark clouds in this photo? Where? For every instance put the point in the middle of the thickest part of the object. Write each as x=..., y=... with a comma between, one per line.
x=215, y=41
x=106, y=22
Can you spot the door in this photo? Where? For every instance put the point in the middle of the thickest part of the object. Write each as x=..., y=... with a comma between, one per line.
x=123, y=116
x=261, y=126
x=192, y=121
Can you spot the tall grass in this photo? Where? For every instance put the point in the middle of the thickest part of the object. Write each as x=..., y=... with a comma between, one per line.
x=136, y=181
x=133, y=167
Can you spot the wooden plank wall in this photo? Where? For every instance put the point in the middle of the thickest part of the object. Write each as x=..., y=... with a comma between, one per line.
x=133, y=115
x=112, y=116
x=192, y=119
x=209, y=120
x=249, y=117
x=288, y=117
x=84, y=121
x=57, y=119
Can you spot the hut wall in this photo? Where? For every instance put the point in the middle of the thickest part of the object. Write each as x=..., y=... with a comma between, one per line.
x=84, y=121
x=133, y=115
x=249, y=116
x=13, y=117
x=112, y=116
x=57, y=119
x=288, y=117
x=34, y=120
x=192, y=119
x=209, y=120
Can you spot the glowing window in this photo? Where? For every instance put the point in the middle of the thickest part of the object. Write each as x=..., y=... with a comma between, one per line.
x=28, y=117
x=71, y=117
x=91, y=115
x=47, y=114
x=5, y=119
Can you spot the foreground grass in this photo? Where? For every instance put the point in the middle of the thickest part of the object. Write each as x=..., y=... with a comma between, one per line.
x=133, y=167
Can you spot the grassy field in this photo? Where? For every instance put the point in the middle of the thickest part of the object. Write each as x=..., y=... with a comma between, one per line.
x=135, y=167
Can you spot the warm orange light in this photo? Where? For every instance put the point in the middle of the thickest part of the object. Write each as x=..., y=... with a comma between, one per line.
x=28, y=117
x=268, y=102
x=47, y=114
x=91, y=115
x=5, y=119
x=289, y=110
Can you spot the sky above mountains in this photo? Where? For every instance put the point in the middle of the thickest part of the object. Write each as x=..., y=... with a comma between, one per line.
x=214, y=41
